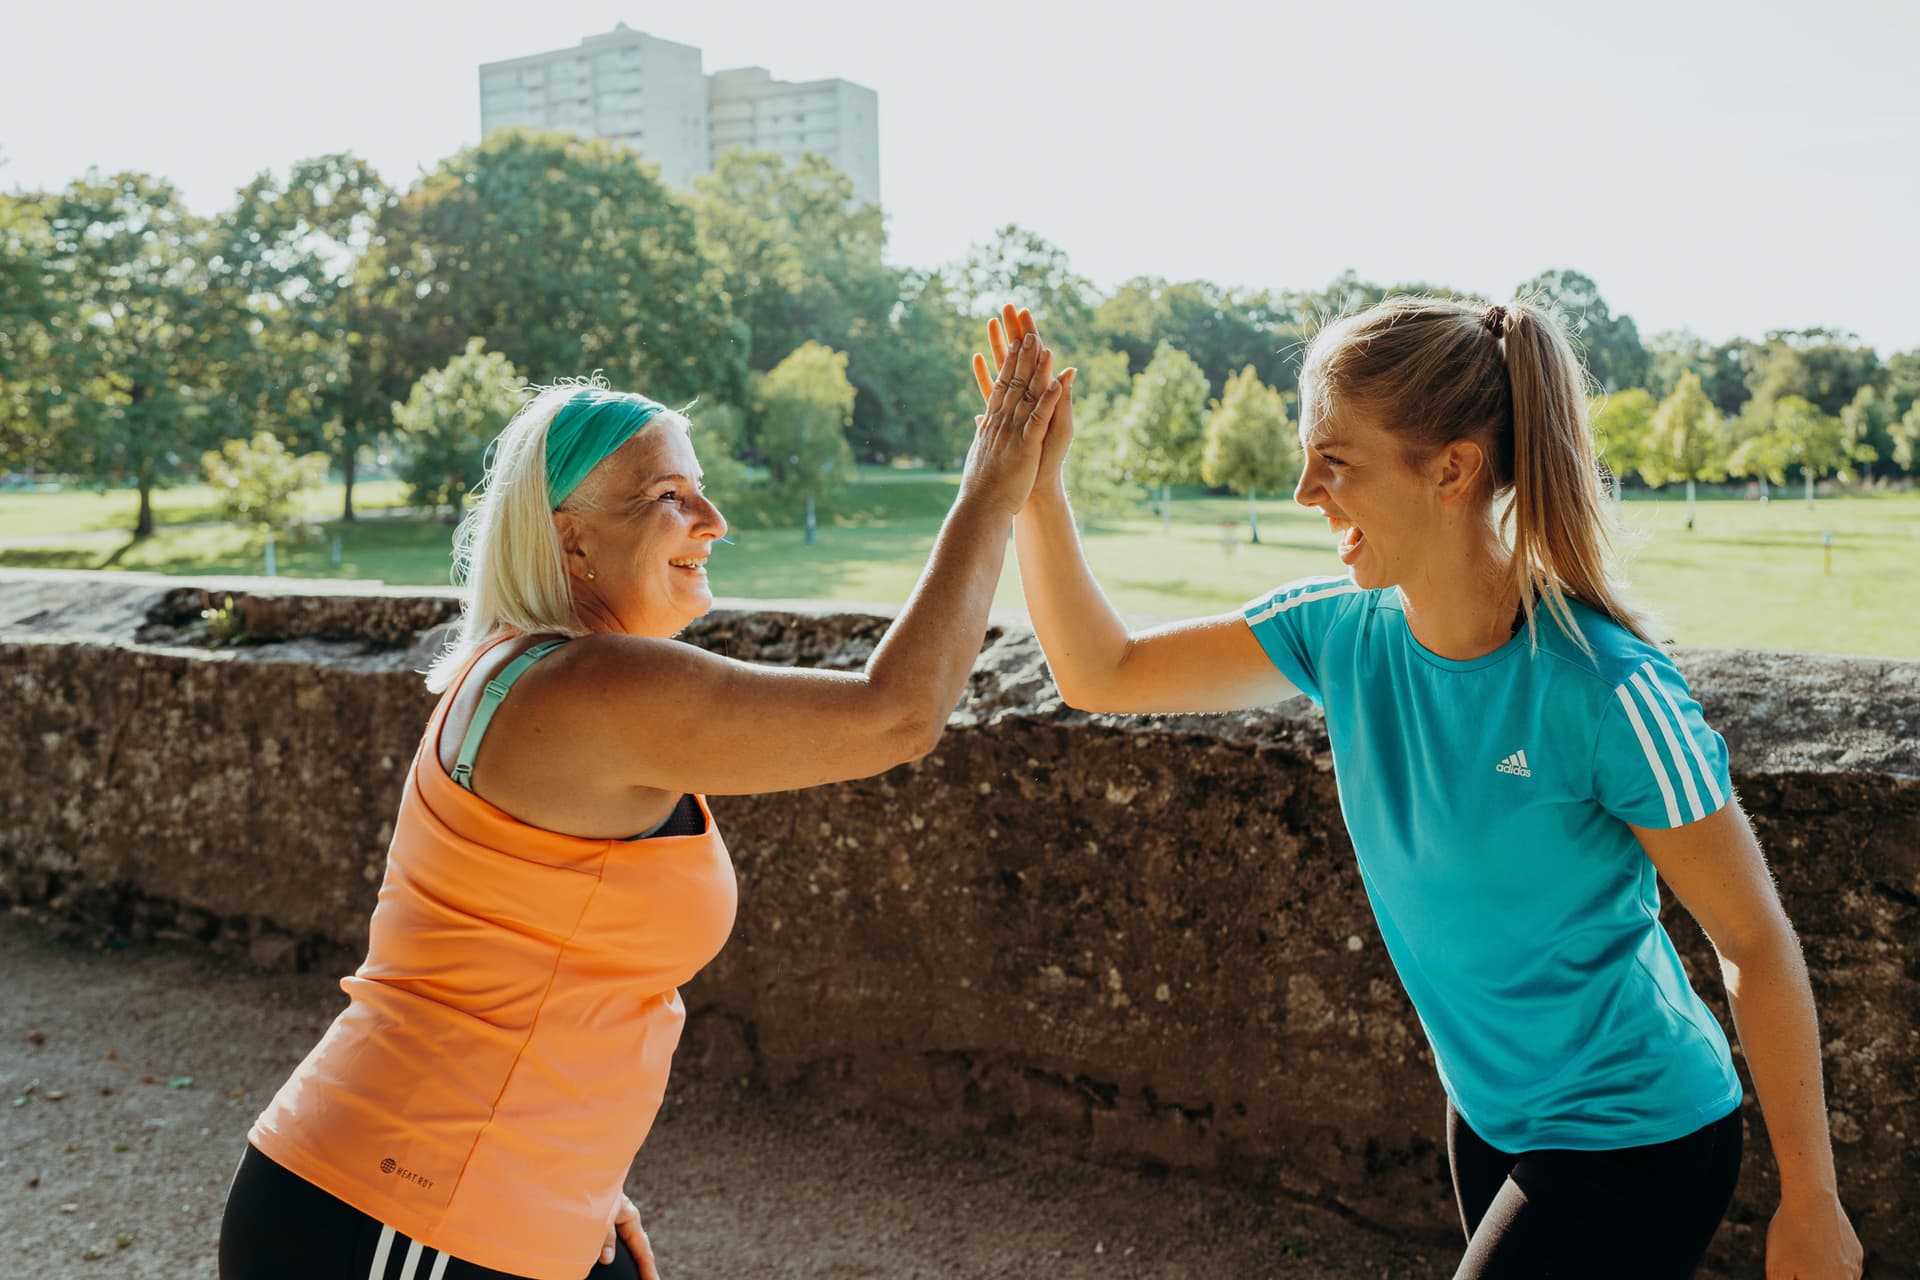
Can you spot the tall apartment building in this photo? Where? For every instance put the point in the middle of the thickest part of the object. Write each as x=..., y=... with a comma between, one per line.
x=653, y=96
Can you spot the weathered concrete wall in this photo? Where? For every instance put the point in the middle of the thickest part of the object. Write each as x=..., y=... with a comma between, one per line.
x=1142, y=940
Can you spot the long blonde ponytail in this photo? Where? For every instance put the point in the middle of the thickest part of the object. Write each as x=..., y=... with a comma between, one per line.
x=1435, y=370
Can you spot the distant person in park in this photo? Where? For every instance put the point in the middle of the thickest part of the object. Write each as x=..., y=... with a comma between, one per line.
x=1516, y=758
x=555, y=872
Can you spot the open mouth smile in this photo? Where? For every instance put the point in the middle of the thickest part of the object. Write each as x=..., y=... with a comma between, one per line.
x=1350, y=537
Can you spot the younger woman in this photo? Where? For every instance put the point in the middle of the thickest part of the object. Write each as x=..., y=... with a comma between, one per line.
x=1517, y=757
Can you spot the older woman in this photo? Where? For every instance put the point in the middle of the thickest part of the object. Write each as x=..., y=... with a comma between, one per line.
x=555, y=872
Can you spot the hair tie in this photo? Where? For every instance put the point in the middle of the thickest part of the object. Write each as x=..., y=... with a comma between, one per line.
x=1494, y=320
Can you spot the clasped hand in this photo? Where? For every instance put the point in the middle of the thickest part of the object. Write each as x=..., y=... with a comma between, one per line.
x=1008, y=334
x=1009, y=441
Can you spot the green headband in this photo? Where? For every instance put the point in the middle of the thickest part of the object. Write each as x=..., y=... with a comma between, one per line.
x=590, y=425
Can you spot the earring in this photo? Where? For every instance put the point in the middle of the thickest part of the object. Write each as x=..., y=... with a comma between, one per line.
x=589, y=575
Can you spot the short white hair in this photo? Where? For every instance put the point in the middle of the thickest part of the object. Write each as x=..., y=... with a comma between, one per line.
x=507, y=556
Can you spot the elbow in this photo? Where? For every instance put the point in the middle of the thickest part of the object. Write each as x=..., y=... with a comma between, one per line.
x=918, y=735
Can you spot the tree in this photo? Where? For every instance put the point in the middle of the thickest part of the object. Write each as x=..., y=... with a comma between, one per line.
x=1611, y=344
x=295, y=249
x=145, y=341
x=1249, y=442
x=1023, y=267
x=27, y=317
x=256, y=481
x=908, y=362
x=563, y=254
x=1870, y=419
x=1623, y=431
x=1905, y=436
x=1222, y=331
x=1094, y=473
x=801, y=410
x=1164, y=424
x=1688, y=441
x=1800, y=436
x=449, y=418
x=798, y=256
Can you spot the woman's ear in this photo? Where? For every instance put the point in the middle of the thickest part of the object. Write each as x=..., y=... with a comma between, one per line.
x=572, y=535
x=1458, y=471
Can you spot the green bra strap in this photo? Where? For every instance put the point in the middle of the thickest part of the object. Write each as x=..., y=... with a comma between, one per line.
x=490, y=702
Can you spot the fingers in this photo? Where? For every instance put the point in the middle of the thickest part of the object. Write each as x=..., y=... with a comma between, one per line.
x=1037, y=386
x=980, y=375
x=997, y=341
x=640, y=1247
x=1010, y=320
x=1026, y=323
x=1042, y=415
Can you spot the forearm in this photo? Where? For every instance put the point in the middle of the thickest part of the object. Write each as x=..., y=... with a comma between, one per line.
x=922, y=663
x=1084, y=640
x=1772, y=1003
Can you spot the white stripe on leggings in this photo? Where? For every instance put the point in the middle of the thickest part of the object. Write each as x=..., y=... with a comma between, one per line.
x=413, y=1260
x=439, y=1267
x=380, y=1252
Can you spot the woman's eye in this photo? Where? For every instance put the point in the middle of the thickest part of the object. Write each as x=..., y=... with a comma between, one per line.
x=671, y=495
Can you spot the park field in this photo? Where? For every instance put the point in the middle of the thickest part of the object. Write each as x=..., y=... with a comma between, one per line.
x=1749, y=575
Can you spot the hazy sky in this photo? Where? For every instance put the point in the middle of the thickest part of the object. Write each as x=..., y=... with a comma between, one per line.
x=1727, y=167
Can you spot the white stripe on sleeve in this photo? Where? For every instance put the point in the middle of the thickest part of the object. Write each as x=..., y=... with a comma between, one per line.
x=1305, y=597
x=1693, y=743
x=1673, y=745
x=1653, y=754
x=380, y=1252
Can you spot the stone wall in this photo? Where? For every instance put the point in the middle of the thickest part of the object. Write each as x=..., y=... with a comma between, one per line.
x=1141, y=940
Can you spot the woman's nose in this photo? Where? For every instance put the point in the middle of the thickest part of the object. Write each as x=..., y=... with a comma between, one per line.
x=1306, y=490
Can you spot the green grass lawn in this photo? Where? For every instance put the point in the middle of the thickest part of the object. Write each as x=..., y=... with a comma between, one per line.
x=1747, y=576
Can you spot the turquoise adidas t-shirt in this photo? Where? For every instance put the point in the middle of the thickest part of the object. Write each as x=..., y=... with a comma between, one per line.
x=1488, y=803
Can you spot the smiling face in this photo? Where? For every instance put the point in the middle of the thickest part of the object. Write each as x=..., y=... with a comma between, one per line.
x=1383, y=507
x=644, y=534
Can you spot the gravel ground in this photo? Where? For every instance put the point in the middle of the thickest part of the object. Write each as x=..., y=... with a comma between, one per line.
x=134, y=1074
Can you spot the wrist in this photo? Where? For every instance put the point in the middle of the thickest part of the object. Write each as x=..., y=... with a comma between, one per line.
x=1808, y=1194
x=976, y=506
x=1047, y=498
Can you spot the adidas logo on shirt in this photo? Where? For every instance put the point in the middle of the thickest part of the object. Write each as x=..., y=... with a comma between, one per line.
x=1515, y=764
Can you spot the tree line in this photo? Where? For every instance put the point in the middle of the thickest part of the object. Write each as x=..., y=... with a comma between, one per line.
x=325, y=311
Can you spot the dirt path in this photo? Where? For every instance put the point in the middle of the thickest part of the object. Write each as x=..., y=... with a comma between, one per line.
x=143, y=1068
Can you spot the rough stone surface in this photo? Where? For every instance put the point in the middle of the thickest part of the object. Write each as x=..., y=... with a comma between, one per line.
x=1140, y=941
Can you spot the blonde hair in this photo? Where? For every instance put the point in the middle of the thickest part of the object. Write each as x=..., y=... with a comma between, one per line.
x=1432, y=371
x=506, y=552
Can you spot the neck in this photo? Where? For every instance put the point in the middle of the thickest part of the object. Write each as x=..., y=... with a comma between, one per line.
x=1461, y=603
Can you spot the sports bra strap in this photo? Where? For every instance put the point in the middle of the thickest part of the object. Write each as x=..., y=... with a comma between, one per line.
x=490, y=701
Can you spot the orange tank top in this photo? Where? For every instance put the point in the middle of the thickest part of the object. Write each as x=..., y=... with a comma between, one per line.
x=507, y=1040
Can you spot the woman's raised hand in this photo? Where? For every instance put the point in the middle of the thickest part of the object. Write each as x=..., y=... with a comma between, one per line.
x=1014, y=326
x=1008, y=445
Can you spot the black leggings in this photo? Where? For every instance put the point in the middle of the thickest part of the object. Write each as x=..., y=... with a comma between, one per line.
x=281, y=1227
x=1647, y=1212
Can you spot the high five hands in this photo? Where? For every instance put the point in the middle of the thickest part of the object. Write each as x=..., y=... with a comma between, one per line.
x=1008, y=333
x=1010, y=442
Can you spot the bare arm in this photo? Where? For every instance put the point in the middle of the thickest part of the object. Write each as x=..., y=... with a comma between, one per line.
x=680, y=719
x=1206, y=664
x=1715, y=867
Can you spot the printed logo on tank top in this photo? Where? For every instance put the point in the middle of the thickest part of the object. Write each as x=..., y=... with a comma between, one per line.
x=394, y=1167
x=1515, y=764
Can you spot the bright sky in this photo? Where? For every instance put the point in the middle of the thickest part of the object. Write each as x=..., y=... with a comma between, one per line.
x=1727, y=167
